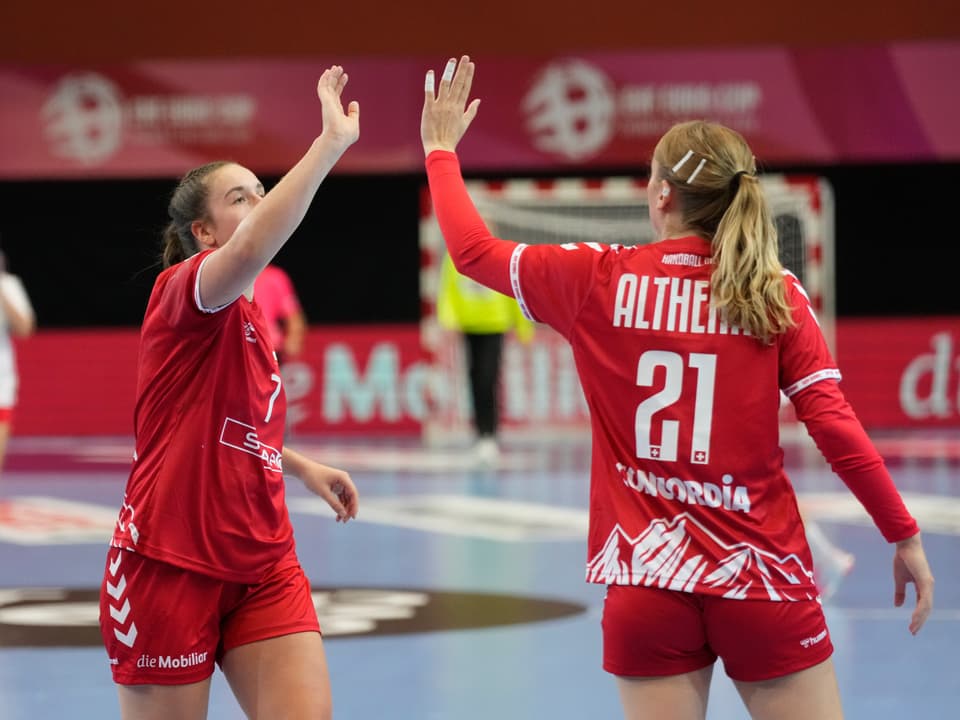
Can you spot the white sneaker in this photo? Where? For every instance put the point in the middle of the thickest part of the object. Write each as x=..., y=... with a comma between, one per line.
x=486, y=452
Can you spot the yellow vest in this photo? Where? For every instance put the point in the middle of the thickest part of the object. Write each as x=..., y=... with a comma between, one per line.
x=468, y=306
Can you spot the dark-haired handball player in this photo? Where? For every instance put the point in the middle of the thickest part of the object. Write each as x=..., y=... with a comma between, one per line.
x=682, y=348
x=202, y=568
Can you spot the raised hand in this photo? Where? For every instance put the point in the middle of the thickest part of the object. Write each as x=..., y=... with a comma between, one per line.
x=910, y=565
x=446, y=115
x=341, y=128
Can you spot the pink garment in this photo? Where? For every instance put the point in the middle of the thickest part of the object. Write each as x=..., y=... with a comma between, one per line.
x=273, y=292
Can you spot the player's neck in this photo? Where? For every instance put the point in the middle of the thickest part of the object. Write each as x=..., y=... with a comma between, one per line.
x=679, y=233
x=674, y=228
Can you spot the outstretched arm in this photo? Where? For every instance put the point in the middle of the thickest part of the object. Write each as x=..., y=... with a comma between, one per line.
x=233, y=268
x=474, y=250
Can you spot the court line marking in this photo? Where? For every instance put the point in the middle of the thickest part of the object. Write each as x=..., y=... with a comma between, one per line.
x=488, y=518
x=515, y=521
x=42, y=520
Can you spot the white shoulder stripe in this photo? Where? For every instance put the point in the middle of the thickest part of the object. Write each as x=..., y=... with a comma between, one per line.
x=796, y=283
x=825, y=374
x=515, y=281
x=196, y=292
x=598, y=247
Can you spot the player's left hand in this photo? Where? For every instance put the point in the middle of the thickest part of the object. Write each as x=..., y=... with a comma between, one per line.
x=334, y=486
x=341, y=128
x=446, y=115
x=910, y=566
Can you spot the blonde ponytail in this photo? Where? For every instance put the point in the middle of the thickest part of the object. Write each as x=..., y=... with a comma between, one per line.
x=713, y=173
x=747, y=280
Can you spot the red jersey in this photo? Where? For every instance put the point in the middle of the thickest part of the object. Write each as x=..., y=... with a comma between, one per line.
x=206, y=491
x=688, y=489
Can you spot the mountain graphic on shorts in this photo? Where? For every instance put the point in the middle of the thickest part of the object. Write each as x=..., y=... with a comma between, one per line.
x=681, y=554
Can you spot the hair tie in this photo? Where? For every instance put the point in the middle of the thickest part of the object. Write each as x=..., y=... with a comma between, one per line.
x=735, y=180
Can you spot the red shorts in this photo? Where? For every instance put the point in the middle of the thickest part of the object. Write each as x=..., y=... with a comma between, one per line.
x=163, y=625
x=649, y=632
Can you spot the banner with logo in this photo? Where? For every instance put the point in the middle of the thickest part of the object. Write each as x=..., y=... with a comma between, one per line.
x=378, y=380
x=901, y=372
x=882, y=103
x=353, y=379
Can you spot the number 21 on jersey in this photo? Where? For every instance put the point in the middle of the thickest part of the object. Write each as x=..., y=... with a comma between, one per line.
x=645, y=417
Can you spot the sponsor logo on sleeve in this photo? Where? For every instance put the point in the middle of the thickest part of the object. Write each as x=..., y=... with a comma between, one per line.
x=243, y=437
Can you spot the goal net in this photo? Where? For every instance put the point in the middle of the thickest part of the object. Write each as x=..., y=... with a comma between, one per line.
x=540, y=395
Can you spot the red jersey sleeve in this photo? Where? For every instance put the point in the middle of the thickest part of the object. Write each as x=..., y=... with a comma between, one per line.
x=554, y=281
x=549, y=282
x=808, y=376
x=475, y=252
x=841, y=438
x=804, y=356
x=178, y=296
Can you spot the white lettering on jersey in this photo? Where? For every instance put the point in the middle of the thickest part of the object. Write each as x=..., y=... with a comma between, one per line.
x=168, y=662
x=688, y=259
x=243, y=437
x=724, y=494
x=825, y=374
x=672, y=304
x=810, y=641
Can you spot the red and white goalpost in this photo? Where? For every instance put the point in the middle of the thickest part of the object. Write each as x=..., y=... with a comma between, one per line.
x=540, y=393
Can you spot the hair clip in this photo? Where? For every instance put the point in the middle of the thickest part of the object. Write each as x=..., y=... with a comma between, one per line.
x=683, y=160
x=697, y=171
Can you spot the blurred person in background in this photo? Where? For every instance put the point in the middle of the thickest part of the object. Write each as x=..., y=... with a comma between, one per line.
x=202, y=568
x=682, y=347
x=273, y=291
x=831, y=563
x=16, y=320
x=483, y=317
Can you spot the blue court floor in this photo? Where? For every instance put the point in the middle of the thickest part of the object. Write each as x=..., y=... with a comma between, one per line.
x=459, y=592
